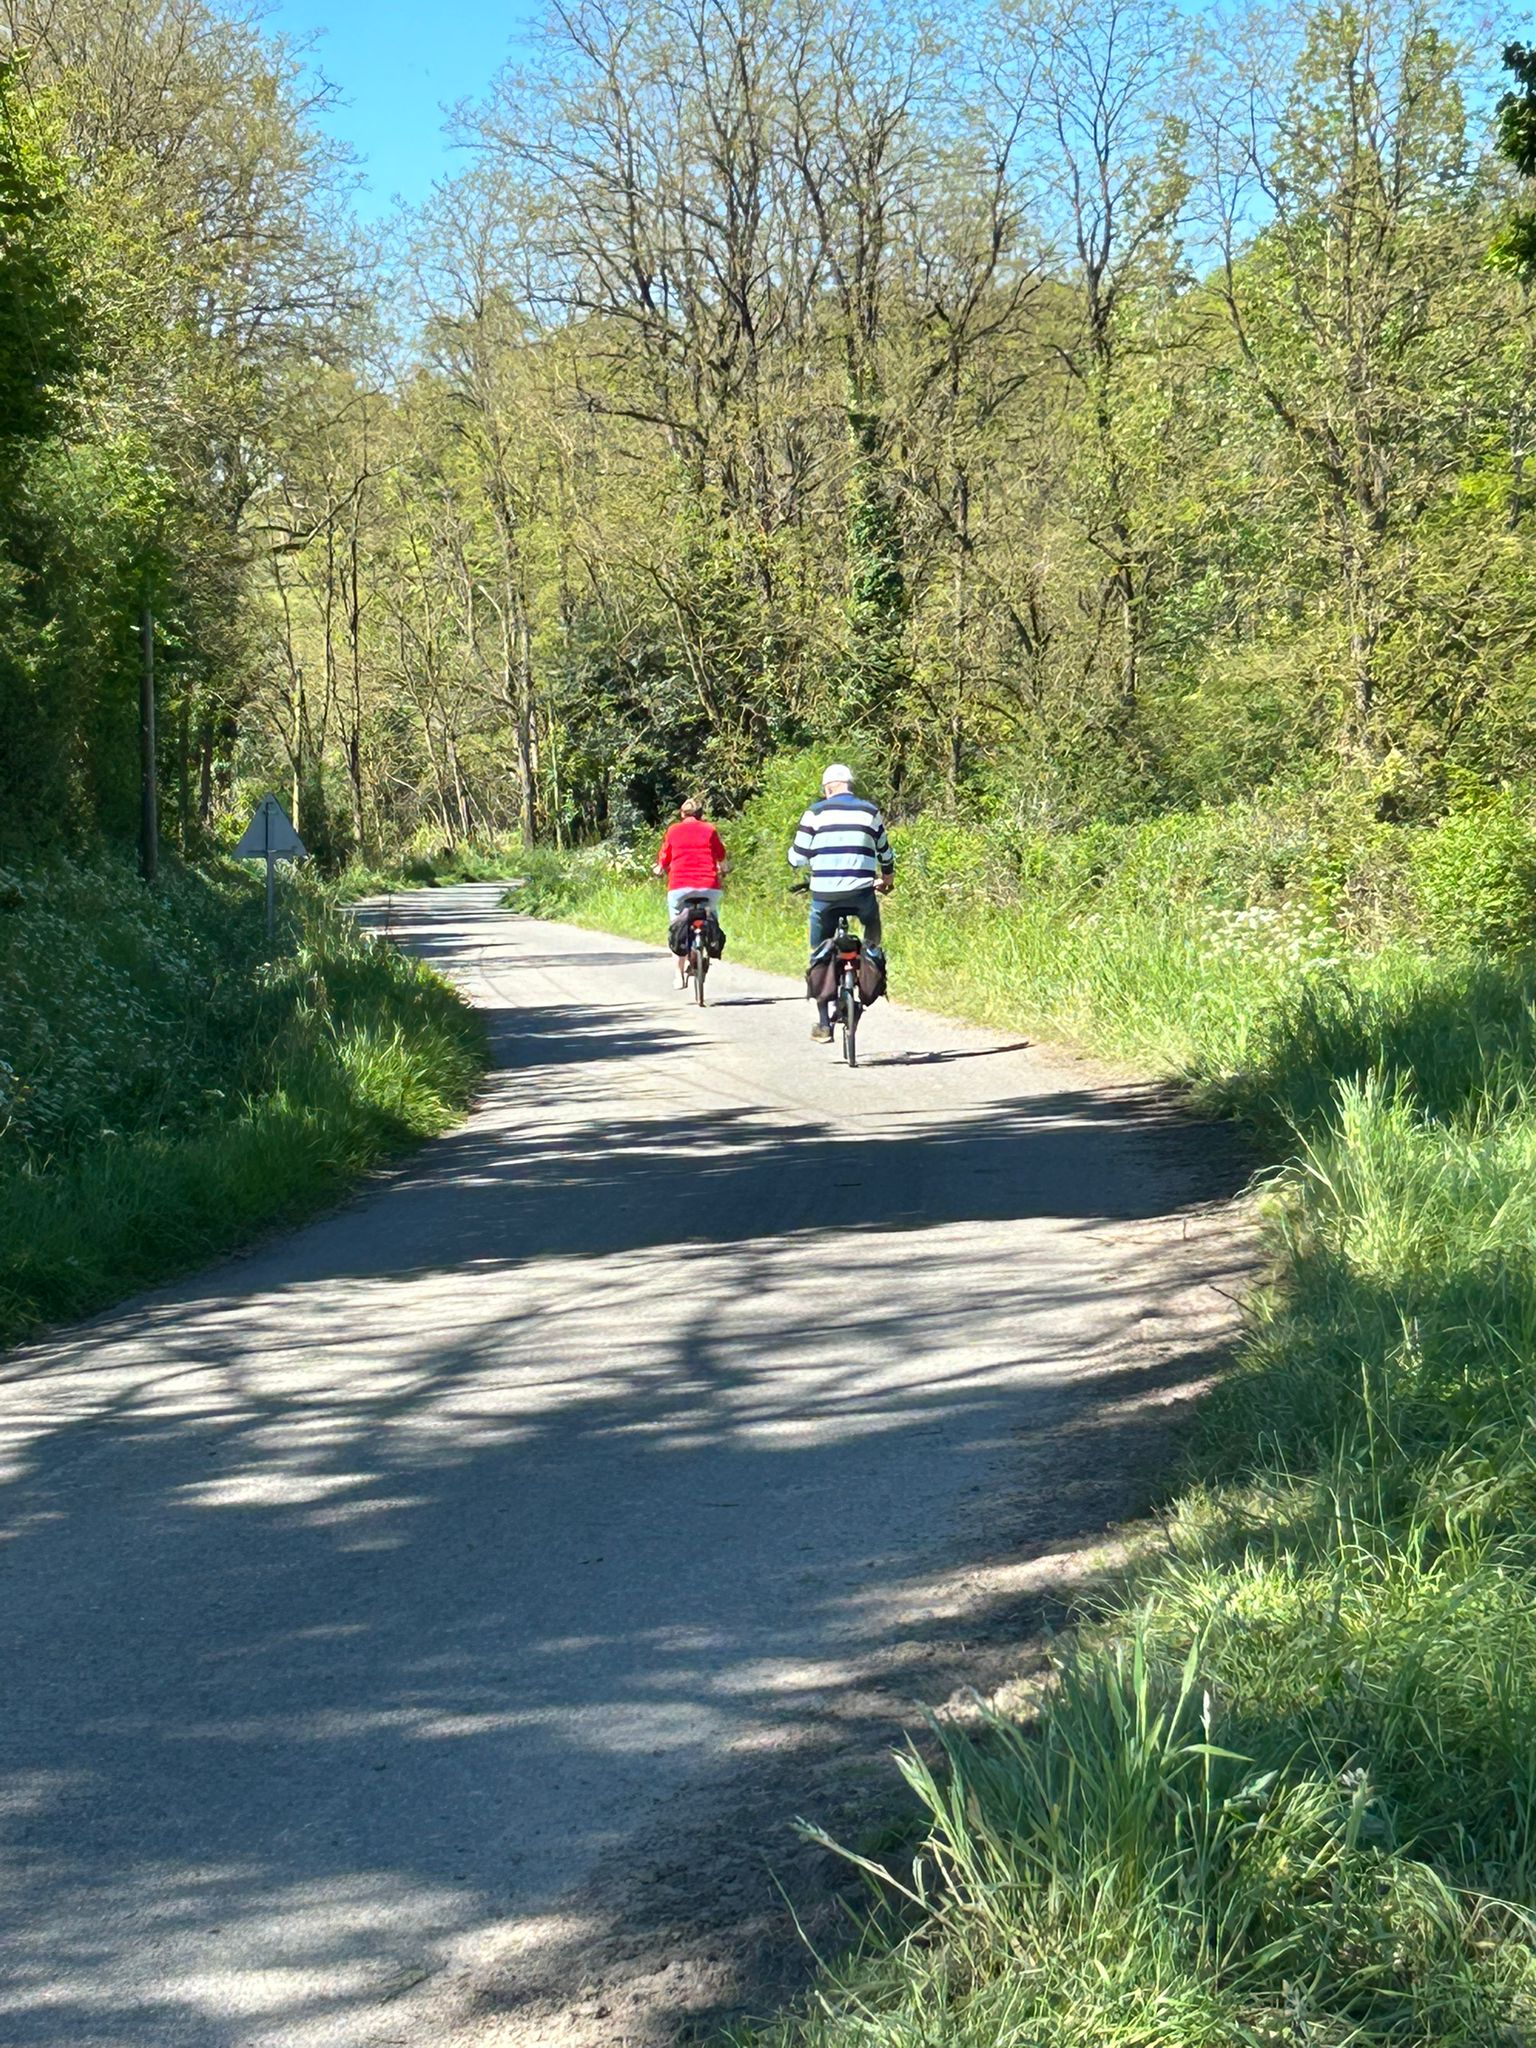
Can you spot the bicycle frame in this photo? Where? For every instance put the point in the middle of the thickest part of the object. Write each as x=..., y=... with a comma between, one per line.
x=698, y=952
x=849, y=949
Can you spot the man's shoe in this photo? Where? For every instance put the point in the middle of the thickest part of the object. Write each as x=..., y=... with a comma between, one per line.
x=822, y=1033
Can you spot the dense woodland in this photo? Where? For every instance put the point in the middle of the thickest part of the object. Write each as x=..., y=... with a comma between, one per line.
x=1071, y=408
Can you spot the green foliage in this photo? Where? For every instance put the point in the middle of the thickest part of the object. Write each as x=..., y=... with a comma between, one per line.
x=1474, y=877
x=554, y=884
x=1515, y=115
x=166, y=1089
x=1515, y=134
x=41, y=316
x=1052, y=538
x=162, y=277
x=69, y=764
x=878, y=606
x=46, y=678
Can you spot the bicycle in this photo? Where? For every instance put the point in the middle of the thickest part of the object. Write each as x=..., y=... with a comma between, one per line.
x=697, y=955
x=848, y=1001
x=848, y=951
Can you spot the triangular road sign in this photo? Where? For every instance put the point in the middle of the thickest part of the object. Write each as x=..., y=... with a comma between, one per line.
x=270, y=832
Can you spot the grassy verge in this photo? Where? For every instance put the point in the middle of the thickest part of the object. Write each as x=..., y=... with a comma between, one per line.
x=1284, y=1789
x=166, y=1090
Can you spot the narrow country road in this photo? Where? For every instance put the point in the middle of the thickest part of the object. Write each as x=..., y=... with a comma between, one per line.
x=361, y=1598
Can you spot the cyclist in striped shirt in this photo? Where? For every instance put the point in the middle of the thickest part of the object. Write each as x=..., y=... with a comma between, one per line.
x=842, y=841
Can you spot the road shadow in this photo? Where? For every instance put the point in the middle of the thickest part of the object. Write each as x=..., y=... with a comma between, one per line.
x=946, y=1057
x=636, y=954
x=751, y=1002
x=694, y=1173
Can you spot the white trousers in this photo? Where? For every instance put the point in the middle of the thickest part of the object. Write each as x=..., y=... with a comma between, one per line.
x=676, y=898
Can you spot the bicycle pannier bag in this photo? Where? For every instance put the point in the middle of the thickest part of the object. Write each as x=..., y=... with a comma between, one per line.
x=714, y=937
x=677, y=934
x=872, y=975
x=821, y=975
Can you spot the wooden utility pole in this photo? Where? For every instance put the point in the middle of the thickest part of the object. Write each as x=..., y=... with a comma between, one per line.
x=149, y=796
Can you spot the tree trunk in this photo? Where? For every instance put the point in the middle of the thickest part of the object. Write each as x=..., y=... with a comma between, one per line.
x=355, y=784
x=1358, y=736
x=555, y=803
x=296, y=749
x=355, y=636
x=527, y=759
x=465, y=828
x=1130, y=649
x=961, y=514
x=439, y=774
x=205, y=774
x=149, y=794
x=184, y=772
x=1362, y=661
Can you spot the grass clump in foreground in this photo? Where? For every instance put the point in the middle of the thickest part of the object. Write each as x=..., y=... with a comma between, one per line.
x=166, y=1089
x=1283, y=1788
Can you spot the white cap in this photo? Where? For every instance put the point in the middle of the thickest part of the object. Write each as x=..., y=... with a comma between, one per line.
x=837, y=772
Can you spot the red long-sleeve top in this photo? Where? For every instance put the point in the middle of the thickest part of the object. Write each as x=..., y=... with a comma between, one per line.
x=691, y=854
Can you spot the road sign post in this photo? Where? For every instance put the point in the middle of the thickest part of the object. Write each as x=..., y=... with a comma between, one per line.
x=270, y=836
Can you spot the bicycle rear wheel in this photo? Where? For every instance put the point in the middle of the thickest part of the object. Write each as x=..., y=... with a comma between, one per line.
x=850, y=1012
x=700, y=969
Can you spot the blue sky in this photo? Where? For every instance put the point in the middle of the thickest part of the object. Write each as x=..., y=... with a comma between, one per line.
x=397, y=64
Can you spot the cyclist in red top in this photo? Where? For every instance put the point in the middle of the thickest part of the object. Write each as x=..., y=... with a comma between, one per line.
x=693, y=860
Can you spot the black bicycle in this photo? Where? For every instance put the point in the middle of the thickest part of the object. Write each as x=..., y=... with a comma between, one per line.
x=847, y=995
x=848, y=951
x=696, y=958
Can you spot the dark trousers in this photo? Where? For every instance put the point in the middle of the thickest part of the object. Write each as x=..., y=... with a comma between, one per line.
x=863, y=904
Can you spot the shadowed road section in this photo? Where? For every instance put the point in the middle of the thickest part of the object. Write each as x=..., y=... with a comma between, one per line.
x=359, y=1596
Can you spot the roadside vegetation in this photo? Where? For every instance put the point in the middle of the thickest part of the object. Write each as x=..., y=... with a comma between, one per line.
x=167, y=1089
x=429, y=862
x=1282, y=1788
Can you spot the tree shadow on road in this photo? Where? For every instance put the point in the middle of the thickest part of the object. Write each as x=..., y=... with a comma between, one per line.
x=693, y=1172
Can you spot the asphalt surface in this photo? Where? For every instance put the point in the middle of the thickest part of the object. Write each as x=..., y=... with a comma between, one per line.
x=360, y=1595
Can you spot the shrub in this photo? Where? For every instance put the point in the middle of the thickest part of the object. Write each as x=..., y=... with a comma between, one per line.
x=1473, y=877
x=168, y=1089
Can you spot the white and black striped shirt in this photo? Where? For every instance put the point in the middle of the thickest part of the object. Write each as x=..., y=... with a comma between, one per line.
x=842, y=841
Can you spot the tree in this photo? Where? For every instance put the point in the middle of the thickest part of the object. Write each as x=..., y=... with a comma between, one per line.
x=1356, y=310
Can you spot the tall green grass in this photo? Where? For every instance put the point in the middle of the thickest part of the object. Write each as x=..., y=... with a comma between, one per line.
x=167, y=1089
x=1282, y=1787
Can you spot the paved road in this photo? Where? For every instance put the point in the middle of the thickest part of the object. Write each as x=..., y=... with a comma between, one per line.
x=360, y=1595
